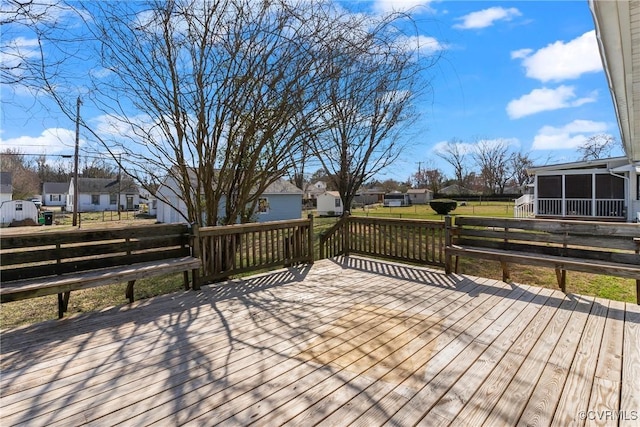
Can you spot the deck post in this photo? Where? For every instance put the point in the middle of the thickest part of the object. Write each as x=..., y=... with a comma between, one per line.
x=447, y=243
x=346, y=240
x=310, y=239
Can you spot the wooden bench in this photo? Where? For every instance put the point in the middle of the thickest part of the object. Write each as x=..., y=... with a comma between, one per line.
x=46, y=263
x=593, y=247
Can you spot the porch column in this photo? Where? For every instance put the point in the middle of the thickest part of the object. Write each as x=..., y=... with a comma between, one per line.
x=564, y=195
x=593, y=194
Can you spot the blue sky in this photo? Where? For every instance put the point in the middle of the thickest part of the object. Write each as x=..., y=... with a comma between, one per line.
x=528, y=73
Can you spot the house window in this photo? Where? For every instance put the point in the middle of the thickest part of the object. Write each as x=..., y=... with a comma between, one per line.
x=95, y=199
x=55, y=197
x=263, y=205
x=18, y=206
x=337, y=203
x=550, y=187
x=113, y=199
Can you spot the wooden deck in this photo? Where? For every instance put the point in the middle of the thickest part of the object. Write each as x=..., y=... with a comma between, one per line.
x=345, y=342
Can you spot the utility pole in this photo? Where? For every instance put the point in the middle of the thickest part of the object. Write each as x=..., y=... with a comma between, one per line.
x=75, y=165
x=119, y=185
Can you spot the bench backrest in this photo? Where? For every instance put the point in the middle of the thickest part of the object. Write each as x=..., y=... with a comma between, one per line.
x=41, y=254
x=604, y=241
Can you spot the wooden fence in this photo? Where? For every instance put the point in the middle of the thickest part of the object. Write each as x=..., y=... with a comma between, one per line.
x=235, y=249
x=416, y=241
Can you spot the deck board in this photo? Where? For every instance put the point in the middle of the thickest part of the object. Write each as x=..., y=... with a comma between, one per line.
x=350, y=341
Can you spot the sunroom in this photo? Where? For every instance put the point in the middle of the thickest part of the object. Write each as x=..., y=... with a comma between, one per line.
x=604, y=189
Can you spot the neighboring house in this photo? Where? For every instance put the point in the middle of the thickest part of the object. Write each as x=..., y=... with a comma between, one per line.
x=17, y=210
x=369, y=196
x=101, y=194
x=330, y=204
x=605, y=189
x=6, y=187
x=55, y=193
x=280, y=201
x=397, y=199
x=420, y=196
x=312, y=191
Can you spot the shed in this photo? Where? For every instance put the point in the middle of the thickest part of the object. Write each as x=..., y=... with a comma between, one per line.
x=17, y=210
x=420, y=196
x=330, y=204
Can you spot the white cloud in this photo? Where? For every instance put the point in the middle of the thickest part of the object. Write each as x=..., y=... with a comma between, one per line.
x=387, y=6
x=15, y=51
x=521, y=54
x=486, y=17
x=423, y=44
x=50, y=141
x=463, y=147
x=569, y=136
x=546, y=100
x=562, y=61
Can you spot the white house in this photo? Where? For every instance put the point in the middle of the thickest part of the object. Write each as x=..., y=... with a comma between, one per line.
x=330, y=204
x=55, y=193
x=281, y=200
x=17, y=210
x=604, y=189
x=6, y=187
x=312, y=191
x=101, y=194
x=420, y=196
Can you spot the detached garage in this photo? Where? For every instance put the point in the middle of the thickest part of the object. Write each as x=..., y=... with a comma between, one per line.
x=17, y=210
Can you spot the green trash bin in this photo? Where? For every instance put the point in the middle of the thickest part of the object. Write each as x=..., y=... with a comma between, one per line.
x=48, y=218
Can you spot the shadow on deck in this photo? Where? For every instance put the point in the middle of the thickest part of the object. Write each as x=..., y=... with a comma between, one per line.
x=345, y=341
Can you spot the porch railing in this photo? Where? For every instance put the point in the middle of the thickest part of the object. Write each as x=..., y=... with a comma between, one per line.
x=416, y=241
x=605, y=208
x=523, y=207
x=236, y=249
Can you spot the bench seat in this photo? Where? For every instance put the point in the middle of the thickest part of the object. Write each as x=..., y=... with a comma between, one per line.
x=611, y=249
x=31, y=288
x=58, y=262
x=559, y=263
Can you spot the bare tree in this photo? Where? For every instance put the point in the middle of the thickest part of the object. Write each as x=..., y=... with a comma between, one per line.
x=25, y=180
x=456, y=154
x=520, y=163
x=493, y=159
x=598, y=147
x=367, y=102
x=214, y=98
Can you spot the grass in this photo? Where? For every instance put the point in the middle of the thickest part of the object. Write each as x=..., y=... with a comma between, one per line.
x=493, y=209
x=45, y=308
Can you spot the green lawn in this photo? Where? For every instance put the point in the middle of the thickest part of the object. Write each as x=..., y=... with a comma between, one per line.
x=493, y=209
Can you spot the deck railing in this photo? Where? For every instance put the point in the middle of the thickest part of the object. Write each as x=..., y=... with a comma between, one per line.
x=416, y=241
x=235, y=249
